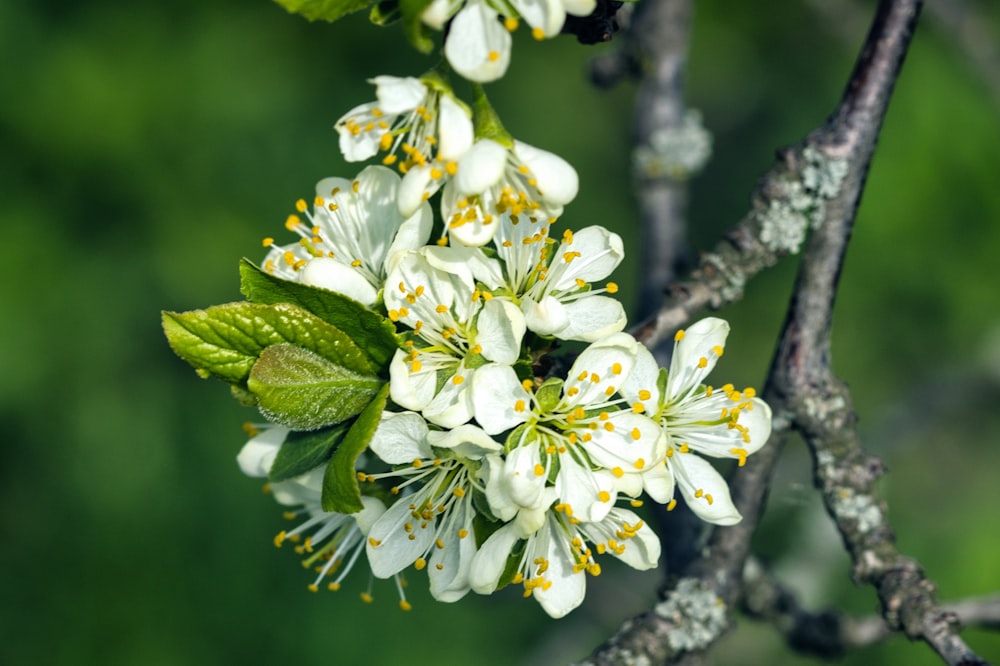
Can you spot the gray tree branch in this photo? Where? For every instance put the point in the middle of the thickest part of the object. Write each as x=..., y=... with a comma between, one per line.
x=817, y=184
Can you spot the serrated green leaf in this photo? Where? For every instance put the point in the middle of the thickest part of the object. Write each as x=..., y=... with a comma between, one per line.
x=385, y=13
x=340, y=482
x=549, y=394
x=304, y=391
x=225, y=340
x=326, y=10
x=303, y=451
x=370, y=331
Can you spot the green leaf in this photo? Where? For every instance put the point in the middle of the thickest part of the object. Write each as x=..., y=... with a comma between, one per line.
x=304, y=391
x=370, y=331
x=549, y=394
x=415, y=30
x=385, y=13
x=225, y=340
x=303, y=451
x=340, y=483
x=326, y=10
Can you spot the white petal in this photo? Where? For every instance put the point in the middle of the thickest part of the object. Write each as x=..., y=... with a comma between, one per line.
x=602, y=366
x=642, y=550
x=357, y=147
x=568, y=586
x=600, y=253
x=454, y=130
x=372, y=511
x=332, y=275
x=592, y=318
x=449, y=567
x=497, y=495
x=659, y=483
x=396, y=550
x=643, y=378
x=401, y=438
x=580, y=488
x=481, y=167
x=478, y=46
x=452, y=406
x=548, y=15
x=397, y=95
x=410, y=390
x=466, y=441
x=495, y=394
x=580, y=7
x=412, y=234
x=696, y=344
x=620, y=448
x=523, y=482
x=491, y=560
x=557, y=179
x=545, y=317
x=257, y=455
x=438, y=13
x=694, y=474
x=500, y=328
x=417, y=187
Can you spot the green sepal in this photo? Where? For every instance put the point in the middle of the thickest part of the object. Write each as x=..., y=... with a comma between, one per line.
x=513, y=563
x=516, y=435
x=242, y=395
x=661, y=385
x=385, y=13
x=303, y=451
x=484, y=512
x=304, y=391
x=224, y=341
x=341, y=492
x=415, y=30
x=325, y=10
x=549, y=394
x=485, y=120
x=370, y=331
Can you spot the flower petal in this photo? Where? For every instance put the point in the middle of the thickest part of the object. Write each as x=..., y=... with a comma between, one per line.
x=410, y=390
x=495, y=395
x=466, y=441
x=600, y=369
x=357, y=146
x=478, y=46
x=600, y=251
x=592, y=318
x=545, y=317
x=702, y=340
x=450, y=566
x=257, y=455
x=399, y=94
x=454, y=130
x=642, y=381
x=401, y=438
x=568, y=587
x=557, y=180
x=391, y=547
x=332, y=275
x=500, y=328
x=491, y=560
x=481, y=167
x=704, y=489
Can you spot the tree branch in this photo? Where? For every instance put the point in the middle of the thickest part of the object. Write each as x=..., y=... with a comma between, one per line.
x=832, y=633
x=817, y=184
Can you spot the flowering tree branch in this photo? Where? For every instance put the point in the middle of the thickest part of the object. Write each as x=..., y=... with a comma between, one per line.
x=817, y=184
x=831, y=632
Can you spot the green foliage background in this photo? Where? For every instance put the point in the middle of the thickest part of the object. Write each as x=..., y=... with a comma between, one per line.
x=145, y=148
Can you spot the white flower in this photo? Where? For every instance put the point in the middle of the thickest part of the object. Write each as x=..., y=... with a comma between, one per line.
x=573, y=431
x=431, y=524
x=455, y=326
x=717, y=422
x=327, y=541
x=554, y=288
x=352, y=235
x=419, y=118
x=555, y=557
x=491, y=180
x=478, y=44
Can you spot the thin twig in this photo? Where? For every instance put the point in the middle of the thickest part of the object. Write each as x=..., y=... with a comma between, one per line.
x=831, y=632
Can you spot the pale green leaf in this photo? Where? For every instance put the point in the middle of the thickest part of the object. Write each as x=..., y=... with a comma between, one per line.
x=341, y=492
x=303, y=451
x=325, y=10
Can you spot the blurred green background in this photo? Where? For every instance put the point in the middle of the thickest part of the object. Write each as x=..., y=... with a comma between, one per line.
x=144, y=148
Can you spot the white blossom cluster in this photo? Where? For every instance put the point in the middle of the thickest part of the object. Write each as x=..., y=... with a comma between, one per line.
x=484, y=470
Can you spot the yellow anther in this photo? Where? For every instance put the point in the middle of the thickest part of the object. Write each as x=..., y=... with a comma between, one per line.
x=280, y=538
x=292, y=222
x=389, y=160
x=375, y=543
x=699, y=492
x=367, y=598
x=439, y=544
x=538, y=33
x=462, y=533
x=419, y=564
x=741, y=454
x=405, y=605
x=636, y=433
x=604, y=496
x=616, y=369
x=436, y=173
x=458, y=492
x=609, y=426
x=441, y=308
x=313, y=587
x=595, y=378
x=749, y=393
x=671, y=504
x=519, y=406
x=457, y=379
x=333, y=587
x=717, y=349
x=618, y=472
x=610, y=391
x=638, y=408
x=639, y=463
x=708, y=498
x=527, y=385
x=493, y=56
x=612, y=287
x=685, y=448
x=510, y=23
x=581, y=283
x=476, y=349
x=702, y=362
x=539, y=470
x=679, y=335
x=268, y=242
x=416, y=366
